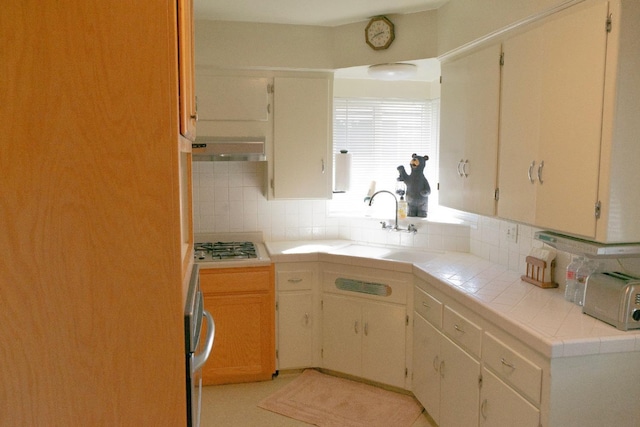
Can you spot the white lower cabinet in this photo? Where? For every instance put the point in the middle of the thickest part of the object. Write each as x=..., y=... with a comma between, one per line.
x=502, y=406
x=445, y=376
x=298, y=315
x=364, y=338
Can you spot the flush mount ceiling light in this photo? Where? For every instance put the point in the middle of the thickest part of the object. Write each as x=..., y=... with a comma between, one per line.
x=393, y=71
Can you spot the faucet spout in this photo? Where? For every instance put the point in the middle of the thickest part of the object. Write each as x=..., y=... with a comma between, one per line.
x=394, y=198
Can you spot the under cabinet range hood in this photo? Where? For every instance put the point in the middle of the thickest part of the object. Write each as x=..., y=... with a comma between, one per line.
x=588, y=248
x=228, y=149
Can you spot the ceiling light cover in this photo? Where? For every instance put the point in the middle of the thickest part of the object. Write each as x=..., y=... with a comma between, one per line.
x=393, y=71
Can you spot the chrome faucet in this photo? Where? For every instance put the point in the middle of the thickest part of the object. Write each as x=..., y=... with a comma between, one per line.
x=394, y=198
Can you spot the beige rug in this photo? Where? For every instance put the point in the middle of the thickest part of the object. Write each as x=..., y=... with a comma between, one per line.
x=328, y=401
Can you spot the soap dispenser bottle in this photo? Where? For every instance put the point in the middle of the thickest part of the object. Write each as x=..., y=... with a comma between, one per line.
x=402, y=208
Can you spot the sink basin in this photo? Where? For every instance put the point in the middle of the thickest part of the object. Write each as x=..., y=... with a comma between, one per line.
x=412, y=256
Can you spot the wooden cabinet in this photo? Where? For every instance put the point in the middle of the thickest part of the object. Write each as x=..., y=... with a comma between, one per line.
x=365, y=339
x=90, y=333
x=445, y=376
x=186, y=69
x=242, y=303
x=551, y=117
x=298, y=311
x=302, y=164
x=469, y=131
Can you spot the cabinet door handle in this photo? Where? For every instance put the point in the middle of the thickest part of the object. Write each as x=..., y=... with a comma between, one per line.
x=458, y=168
x=294, y=280
x=441, y=369
x=322, y=160
x=458, y=328
x=355, y=327
x=507, y=364
x=464, y=168
x=436, y=364
x=483, y=409
x=540, y=172
x=530, y=172
x=425, y=305
x=366, y=328
x=306, y=319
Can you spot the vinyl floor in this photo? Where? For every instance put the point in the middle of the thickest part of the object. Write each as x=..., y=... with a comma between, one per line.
x=236, y=405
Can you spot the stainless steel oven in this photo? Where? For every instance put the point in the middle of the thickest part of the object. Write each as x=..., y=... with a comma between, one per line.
x=197, y=352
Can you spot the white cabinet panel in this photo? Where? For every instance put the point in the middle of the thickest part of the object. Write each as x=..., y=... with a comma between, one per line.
x=233, y=98
x=295, y=330
x=502, y=407
x=469, y=131
x=302, y=135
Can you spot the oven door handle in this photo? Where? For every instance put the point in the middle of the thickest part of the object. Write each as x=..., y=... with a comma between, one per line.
x=200, y=359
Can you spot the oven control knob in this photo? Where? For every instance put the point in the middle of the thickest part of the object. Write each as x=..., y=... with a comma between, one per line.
x=636, y=315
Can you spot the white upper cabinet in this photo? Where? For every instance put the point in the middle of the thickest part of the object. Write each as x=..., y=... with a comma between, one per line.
x=550, y=127
x=469, y=131
x=302, y=135
x=227, y=98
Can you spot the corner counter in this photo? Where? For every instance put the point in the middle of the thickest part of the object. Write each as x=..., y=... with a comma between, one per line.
x=541, y=318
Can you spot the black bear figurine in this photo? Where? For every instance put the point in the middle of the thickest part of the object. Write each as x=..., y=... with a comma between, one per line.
x=418, y=188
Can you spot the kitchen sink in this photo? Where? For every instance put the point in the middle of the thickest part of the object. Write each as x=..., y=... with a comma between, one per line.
x=405, y=255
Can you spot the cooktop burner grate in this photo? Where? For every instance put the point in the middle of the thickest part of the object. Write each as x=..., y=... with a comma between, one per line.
x=214, y=251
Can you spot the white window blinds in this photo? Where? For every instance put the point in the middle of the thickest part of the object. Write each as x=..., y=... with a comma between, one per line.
x=382, y=134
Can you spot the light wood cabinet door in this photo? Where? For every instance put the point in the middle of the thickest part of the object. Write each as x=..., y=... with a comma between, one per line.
x=186, y=70
x=502, y=406
x=302, y=135
x=469, y=131
x=242, y=303
x=551, y=116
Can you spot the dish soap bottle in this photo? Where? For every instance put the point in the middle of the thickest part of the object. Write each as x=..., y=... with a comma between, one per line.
x=402, y=208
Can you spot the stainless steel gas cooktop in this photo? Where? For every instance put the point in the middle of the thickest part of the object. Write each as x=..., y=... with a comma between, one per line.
x=224, y=251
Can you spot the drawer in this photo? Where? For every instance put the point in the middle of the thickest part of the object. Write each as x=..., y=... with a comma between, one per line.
x=513, y=368
x=428, y=307
x=464, y=332
x=295, y=280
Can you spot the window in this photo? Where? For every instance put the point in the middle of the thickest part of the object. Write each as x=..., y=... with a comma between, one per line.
x=382, y=134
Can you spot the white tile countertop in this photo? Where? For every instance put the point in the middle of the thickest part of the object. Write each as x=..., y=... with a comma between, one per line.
x=539, y=317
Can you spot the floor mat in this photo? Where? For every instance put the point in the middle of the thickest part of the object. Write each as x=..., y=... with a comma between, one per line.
x=328, y=401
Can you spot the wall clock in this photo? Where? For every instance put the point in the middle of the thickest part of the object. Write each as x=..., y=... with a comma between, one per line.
x=379, y=33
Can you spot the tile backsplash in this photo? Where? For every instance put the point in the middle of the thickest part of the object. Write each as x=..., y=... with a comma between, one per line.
x=230, y=197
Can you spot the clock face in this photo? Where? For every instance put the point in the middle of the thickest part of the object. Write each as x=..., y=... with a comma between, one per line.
x=379, y=33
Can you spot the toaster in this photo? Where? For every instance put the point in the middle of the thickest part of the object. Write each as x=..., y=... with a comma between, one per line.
x=613, y=298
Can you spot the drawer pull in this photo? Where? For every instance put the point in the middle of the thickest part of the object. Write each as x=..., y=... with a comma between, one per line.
x=507, y=364
x=294, y=280
x=458, y=328
x=442, y=369
x=425, y=305
x=306, y=319
x=483, y=409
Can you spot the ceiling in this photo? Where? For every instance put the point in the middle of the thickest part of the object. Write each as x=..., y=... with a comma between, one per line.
x=329, y=13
